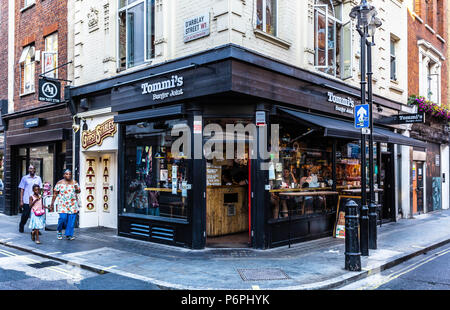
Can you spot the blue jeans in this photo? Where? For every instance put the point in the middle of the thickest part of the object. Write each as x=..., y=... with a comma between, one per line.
x=67, y=221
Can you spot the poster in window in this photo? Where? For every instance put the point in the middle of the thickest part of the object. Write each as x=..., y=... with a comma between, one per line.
x=49, y=61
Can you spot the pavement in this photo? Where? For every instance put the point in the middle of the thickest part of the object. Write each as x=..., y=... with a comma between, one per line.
x=317, y=264
x=24, y=271
x=430, y=271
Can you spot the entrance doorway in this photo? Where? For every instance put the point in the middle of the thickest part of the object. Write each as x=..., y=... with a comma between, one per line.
x=417, y=190
x=228, y=204
x=43, y=159
x=98, y=186
x=387, y=212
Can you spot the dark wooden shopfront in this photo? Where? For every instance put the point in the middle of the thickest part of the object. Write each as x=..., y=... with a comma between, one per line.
x=229, y=82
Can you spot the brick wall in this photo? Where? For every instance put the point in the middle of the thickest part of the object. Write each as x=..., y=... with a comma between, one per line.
x=4, y=49
x=31, y=26
x=436, y=34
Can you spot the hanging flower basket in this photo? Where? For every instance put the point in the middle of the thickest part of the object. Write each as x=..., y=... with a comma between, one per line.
x=430, y=108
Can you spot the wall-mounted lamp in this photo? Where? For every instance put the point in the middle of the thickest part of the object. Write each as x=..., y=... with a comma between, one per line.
x=85, y=126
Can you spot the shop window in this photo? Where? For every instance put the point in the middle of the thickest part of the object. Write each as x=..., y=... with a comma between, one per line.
x=155, y=179
x=266, y=16
x=332, y=39
x=50, y=56
x=27, y=70
x=393, y=60
x=136, y=32
x=304, y=166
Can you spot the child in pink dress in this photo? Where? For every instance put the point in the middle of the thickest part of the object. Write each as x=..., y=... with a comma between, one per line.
x=37, y=214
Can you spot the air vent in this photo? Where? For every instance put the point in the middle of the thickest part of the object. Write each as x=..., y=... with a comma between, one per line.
x=139, y=229
x=163, y=233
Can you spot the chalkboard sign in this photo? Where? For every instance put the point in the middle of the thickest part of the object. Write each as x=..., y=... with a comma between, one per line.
x=339, y=226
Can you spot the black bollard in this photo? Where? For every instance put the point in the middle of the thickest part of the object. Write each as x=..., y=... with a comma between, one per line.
x=372, y=226
x=352, y=254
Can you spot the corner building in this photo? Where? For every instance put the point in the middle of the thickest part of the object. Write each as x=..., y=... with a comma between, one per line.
x=164, y=67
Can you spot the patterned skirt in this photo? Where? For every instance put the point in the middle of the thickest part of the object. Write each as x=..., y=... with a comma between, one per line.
x=37, y=222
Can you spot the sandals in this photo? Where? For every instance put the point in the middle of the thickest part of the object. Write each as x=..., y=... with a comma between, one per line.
x=59, y=236
x=38, y=242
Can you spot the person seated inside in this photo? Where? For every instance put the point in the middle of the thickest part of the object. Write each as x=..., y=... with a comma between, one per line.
x=227, y=180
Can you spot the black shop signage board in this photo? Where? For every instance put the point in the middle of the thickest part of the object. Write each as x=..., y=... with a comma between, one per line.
x=49, y=91
x=339, y=225
x=404, y=119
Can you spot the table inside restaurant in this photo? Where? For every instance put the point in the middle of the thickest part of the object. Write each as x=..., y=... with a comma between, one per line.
x=309, y=194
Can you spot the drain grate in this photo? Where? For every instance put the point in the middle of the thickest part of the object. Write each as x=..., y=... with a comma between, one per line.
x=264, y=274
x=44, y=264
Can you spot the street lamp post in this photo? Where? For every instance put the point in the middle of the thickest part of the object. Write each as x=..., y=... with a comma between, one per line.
x=366, y=20
x=375, y=22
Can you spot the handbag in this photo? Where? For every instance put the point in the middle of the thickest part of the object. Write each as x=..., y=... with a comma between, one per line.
x=38, y=212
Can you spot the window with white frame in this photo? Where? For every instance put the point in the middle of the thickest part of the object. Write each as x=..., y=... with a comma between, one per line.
x=50, y=56
x=27, y=70
x=266, y=16
x=433, y=76
x=332, y=39
x=136, y=32
x=393, y=60
x=28, y=3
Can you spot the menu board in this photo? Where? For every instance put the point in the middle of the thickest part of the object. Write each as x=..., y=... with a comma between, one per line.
x=213, y=175
x=339, y=227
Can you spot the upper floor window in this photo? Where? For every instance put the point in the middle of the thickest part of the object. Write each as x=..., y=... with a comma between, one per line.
x=416, y=6
x=393, y=60
x=28, y=3
x=332, y=39
x=50, y=56
x=428, y=16
x=266, y=16
x=433, y=76
x=27, y=70
x=136, y=32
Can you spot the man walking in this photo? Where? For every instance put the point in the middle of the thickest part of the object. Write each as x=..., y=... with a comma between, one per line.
x=26, y=190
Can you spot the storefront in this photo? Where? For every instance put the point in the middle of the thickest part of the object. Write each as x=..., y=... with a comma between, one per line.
x=202, y=164
x=430, y=169
x=41, y=137
x=98, y=169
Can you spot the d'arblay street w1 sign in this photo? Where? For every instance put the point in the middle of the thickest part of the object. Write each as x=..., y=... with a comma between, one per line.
x=49, y=91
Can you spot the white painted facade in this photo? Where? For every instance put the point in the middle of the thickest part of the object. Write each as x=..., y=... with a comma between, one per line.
x=95, y=48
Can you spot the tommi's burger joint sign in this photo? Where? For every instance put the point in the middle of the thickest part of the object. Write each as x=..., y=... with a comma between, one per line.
x=344, y=105
x=89, y=138
x=164, y=89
